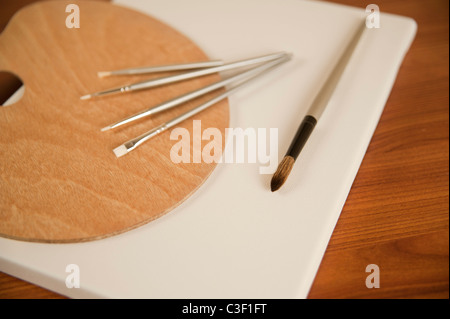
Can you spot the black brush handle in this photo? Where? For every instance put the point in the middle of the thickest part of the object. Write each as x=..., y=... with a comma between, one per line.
x=302, y=135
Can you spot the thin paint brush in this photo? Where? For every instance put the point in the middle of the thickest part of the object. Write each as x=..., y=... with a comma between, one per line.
x=162, y=68
x=314, y=113
x=191, y=95
x=185, y=76
x=133, y=143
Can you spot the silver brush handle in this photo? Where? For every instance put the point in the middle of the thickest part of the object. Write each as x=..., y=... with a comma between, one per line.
x=132, y=144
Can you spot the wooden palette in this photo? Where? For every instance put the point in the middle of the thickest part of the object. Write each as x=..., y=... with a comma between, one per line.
x=59, y=179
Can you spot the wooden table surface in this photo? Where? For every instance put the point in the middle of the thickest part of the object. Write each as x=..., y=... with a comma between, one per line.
x=396, y=215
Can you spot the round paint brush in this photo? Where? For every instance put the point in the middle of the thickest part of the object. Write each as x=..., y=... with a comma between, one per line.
x=309, y=122
x=286, y=165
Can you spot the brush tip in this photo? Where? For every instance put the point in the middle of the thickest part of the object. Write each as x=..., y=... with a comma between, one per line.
x=120, y=151
x=106, y=128
x=282, y=173
x=103, y=74
x=289, y=55
x=86, y=97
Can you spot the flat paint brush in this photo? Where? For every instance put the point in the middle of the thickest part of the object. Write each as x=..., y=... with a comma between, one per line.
x=309, y=122
x=185, y=76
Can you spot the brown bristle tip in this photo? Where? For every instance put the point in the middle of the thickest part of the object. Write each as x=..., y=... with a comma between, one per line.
x=282, y=173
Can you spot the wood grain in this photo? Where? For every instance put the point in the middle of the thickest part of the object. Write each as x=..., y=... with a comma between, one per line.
x=60, y=181
x=396, y=214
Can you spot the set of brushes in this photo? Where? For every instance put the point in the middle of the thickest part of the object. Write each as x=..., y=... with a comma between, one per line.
x=183, y=76
x=263, y=65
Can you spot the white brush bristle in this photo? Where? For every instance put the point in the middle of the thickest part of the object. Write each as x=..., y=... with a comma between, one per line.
x=103, y=74
x=106, y=128
x=120, y=151
x=86, y=97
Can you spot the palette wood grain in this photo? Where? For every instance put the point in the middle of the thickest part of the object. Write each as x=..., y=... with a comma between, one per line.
x=59, y=179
